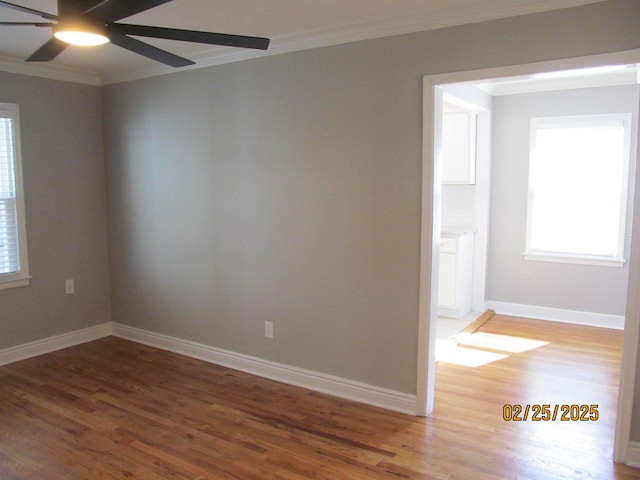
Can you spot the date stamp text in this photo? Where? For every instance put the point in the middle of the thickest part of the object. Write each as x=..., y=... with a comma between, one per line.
x=546, y=412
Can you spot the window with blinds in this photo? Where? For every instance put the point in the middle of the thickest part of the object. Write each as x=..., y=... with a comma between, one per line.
x=13, y=250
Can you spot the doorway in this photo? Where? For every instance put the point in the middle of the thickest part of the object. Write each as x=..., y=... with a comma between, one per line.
x=431, y=233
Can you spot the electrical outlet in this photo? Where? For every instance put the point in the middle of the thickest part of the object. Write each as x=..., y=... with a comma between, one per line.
x=268, y=329
x=69, y=287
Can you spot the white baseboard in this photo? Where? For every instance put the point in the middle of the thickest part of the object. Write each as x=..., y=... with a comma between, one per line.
x=633, y=455
x=320, y=382
x=332, y=385
x=51, y=344
x=558, y=315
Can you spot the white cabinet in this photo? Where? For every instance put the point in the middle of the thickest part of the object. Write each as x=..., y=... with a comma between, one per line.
x=456, y=269
x=459, y=148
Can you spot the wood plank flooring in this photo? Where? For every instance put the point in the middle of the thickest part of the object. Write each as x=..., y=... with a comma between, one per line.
x=112, y=409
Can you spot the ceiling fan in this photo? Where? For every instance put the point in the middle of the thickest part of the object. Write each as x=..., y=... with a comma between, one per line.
x=93, y=22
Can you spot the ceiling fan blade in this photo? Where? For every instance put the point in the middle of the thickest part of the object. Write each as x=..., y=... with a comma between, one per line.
x=20, y=8
x=32, y=24
x=149, y=51
x=109, y=11
x=192, y=36
x=47, y=52
x=76, y=8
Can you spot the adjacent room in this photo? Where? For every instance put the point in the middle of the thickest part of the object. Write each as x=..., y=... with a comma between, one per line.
x=217, y=257
x=490, y=185
x=548, y=228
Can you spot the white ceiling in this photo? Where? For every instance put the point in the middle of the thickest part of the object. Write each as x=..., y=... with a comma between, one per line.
x=291, y=24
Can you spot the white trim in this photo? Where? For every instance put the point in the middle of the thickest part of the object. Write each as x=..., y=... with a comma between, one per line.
x=320, y=382
x=348, y=34
x=626, y=395
x=430, y=237
x=20, y=277
x=578, y=79
x=587, y=319
x=49, y=70
x=325, y=37
x=15, y=282
x=574, y=259
x=535, y=188
x=633, y=455
x=51, y=344
x=475, y=76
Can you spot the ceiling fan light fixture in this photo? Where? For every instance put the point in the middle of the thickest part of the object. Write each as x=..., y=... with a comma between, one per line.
x=94, y=22
x=81, y=34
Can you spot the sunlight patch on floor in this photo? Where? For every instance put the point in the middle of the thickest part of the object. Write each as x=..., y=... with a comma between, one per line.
x=472, y=349
x=448, y=351
x=501, y=343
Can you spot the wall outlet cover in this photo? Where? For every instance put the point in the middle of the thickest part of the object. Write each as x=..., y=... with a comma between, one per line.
x=268, y=329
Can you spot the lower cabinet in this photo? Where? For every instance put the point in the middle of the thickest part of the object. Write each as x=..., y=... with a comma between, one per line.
x=456, y=269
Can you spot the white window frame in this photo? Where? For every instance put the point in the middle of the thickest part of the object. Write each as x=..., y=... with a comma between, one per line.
x=617, y=260
x=21, y=277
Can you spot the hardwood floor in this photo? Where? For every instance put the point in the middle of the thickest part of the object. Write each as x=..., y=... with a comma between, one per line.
x=112, y=409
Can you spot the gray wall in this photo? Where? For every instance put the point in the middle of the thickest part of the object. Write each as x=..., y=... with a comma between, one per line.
x=269, y=190
x=65, y=202
x=288, y=189
x=511, y=278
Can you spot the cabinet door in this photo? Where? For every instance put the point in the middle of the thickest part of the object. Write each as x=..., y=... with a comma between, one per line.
x=459, y=148
x=447, y=280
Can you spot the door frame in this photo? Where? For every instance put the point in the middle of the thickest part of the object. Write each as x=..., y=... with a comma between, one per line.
x=431, y=227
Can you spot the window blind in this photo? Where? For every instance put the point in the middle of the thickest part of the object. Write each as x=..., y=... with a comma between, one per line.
x=9, y=245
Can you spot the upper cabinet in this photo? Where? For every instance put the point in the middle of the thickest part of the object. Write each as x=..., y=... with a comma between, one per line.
x=458, y=146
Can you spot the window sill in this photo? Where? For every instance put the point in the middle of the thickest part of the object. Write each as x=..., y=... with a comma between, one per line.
x=14, y=282
x=574, y=259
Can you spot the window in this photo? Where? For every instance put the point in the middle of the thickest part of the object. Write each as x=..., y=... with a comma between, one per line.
x=14, y=270
x=578, y=177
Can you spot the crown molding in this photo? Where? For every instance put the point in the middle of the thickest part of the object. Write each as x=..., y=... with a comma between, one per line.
x=296, y=42
x=50, y=71
x=347, y=34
